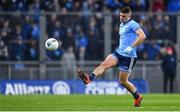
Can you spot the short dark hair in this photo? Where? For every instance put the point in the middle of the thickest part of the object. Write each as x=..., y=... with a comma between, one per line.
x=125, y=10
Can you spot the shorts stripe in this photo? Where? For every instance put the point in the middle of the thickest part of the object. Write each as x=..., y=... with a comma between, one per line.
x=124, y=63
x=131, y=64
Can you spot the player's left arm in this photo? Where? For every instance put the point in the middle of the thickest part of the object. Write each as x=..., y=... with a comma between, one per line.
x=140, y=39
x=135, y=27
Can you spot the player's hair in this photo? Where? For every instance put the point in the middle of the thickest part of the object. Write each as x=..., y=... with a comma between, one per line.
x=125, y=10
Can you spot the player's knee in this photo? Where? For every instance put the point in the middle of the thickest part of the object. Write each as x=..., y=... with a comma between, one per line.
x=104, y=65
x=123, y=82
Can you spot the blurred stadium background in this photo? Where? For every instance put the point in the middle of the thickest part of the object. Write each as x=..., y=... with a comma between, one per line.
x=87, y=30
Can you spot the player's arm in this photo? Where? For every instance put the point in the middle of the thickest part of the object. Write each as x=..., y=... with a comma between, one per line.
x=140, y=39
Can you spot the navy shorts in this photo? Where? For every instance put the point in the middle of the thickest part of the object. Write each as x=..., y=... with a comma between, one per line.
x=125, y=63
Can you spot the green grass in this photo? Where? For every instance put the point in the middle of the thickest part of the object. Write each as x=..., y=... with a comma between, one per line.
x=156, y=102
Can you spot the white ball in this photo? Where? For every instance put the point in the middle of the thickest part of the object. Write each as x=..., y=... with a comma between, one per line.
x=51, y=44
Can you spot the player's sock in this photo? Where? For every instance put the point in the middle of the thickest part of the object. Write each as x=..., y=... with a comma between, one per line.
x=135, y=95
x=92, y=76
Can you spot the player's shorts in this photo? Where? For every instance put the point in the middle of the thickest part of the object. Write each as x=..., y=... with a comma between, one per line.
x=124, y=63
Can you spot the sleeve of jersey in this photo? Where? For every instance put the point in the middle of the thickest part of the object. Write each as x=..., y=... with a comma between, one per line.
x=135, y=26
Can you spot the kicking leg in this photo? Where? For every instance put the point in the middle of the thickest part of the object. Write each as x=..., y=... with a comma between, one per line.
x=109, y=62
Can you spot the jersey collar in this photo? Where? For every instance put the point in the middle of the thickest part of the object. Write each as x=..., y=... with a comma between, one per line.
x=127, y=21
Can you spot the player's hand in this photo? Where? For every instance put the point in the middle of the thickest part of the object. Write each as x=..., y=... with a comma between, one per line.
x=128, y=49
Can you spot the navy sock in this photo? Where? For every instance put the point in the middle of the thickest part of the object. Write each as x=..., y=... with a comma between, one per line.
x=135, y=95
x=92, y=76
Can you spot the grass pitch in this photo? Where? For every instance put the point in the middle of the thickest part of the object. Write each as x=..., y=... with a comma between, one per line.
x=151, y=102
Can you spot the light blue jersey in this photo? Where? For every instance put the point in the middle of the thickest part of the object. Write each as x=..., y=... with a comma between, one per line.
x=127, y=32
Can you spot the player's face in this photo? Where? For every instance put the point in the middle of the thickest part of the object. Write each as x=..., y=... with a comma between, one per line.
x=124, y=17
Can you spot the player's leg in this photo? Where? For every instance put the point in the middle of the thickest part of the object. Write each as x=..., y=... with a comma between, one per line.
x=125, y=65
x=109, y=62
x=124, y=76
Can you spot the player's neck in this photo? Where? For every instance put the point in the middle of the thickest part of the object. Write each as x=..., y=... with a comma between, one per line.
x=129, y=19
